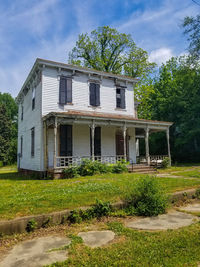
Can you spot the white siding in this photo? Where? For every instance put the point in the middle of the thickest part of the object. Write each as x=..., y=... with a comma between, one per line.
x=32, y=118
x=80, y=95
x=132, y=145
x=108, y=146
x=81, y=140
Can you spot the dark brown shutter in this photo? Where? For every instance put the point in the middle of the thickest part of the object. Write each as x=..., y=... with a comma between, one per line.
x=69, y=91
x=62, y=91
x=97, y=141
x=92, y=94
x=66, y=140
x=97, y=91
x=122, y=94
x=21, y=152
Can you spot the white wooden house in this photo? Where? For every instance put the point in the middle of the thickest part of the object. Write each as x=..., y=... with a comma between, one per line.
x=67, y=113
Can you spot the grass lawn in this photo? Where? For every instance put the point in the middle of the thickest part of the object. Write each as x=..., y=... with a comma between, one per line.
x=140, y=248
x=193, y=173
x=22, y=195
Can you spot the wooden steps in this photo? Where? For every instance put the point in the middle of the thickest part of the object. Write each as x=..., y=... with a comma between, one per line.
x=141, y=168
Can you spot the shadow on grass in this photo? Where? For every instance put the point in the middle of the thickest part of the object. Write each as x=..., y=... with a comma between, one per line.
x=20, y=177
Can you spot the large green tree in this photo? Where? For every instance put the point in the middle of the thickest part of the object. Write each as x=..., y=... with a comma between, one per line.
x=8, y=128
x=174, y=95
x=108, y=50
x=191, y=27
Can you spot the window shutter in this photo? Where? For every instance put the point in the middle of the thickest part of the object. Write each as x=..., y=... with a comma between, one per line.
x=66, y=140
x=97, y=94
x=69, y=91
x=32, y=142
x=122, y=94
x=62, y=91
x=97, y=141
x=92, y=94
x=69, y=140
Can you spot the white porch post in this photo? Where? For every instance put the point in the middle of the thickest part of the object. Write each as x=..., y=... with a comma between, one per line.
x=168, y=145
x=124, y=135
x=92, y=135
x=147, y=145
x=55, y=142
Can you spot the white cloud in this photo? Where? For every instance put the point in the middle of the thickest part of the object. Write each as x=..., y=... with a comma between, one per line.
x=160, y=55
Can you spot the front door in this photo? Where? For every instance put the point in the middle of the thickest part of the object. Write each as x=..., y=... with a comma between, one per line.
x=66, y=140
x=120, y=144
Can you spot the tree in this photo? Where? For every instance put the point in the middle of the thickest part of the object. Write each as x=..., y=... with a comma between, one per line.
x=106, y=49
x=8, y=128
x=191, y=27
x=174, y=95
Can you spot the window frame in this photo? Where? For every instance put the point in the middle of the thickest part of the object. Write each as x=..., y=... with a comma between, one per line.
x=33, y=98
x=67, y=91
x=119, y=98
x=96, y=94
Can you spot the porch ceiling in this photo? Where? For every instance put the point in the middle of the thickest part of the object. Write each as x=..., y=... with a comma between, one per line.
x=73, y=116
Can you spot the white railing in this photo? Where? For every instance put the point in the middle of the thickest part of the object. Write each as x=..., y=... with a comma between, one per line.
x=64, y=162
x=154, y=159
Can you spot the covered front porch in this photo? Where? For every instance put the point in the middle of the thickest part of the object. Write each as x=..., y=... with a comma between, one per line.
x=70, y=137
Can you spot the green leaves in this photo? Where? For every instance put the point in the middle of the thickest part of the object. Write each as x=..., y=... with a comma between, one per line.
x=108, y=50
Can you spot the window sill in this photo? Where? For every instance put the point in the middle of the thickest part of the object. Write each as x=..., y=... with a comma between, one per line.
x=121, y=109
x=67, y=104
x=94, y=107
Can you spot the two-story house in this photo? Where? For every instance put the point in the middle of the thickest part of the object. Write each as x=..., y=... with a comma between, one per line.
x=67, y=113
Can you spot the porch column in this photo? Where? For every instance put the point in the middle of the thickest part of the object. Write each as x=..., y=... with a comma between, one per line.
x=92, y=136
x=168, y=145
x=55, y=142
x=147, y=145
x=124, y=135
x=45, y=146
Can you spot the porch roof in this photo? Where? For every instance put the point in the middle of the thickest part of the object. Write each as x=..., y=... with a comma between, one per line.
x=106, y=116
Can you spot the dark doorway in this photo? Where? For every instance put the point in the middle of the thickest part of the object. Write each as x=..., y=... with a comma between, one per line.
x=66, y=140
x=120, y=144
x=97, y=141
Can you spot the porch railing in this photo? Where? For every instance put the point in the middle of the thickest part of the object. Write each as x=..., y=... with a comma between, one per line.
x=64, y=162
x=154, y=159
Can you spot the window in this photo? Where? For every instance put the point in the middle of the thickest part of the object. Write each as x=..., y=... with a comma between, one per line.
x=22, y=113
x=32, y=142
x=120, y=98
x=65, y=90
x=94, y=94
x=21, y=146
x=33, y=98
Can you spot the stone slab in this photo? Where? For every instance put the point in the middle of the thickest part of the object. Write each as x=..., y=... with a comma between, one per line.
x=97, y=238
x=37, y=252
x=172, y=220
x=191, y=207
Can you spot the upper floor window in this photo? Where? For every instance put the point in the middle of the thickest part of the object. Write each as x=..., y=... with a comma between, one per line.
x=33, y=98
x=65, y=91
x=33, y=142
x=94, y=94
x=120, y=98
x=22, y=113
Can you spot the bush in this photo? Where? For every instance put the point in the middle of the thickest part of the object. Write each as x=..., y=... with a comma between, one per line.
x=119, y=167
x=71, y=172
x=101, y=209
x=147, y=199
x=89, y=168
x=165, y=163
x=31, y=225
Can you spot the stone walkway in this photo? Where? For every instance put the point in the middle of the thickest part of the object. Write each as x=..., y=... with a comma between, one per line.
x=192, y=208
x=172, y=220
x=37, y=252
x=95, y=239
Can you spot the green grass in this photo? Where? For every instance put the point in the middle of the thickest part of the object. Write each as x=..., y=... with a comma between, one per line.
x=180, y=168
x=139, y=248
x=193, y=173
x=22, y=195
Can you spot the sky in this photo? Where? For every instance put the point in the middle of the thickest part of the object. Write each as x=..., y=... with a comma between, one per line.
x=49, y=29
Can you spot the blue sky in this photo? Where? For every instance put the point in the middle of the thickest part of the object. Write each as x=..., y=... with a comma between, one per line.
x=49, y=29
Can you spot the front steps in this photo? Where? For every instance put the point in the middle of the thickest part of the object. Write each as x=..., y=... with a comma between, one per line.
x=141, y=168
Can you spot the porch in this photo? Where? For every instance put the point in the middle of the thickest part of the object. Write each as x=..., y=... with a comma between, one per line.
x=70, y=137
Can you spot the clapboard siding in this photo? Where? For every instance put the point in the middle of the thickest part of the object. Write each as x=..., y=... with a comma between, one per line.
x=32, y=118
x=80, y=94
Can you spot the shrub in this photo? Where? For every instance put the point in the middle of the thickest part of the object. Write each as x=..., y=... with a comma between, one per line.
x=75, y=217
x=31, y=225
x=119, y=167
x=71, y=172
x=165, y=163
x=147, y=199
x=101, y=209
x=197, y=193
